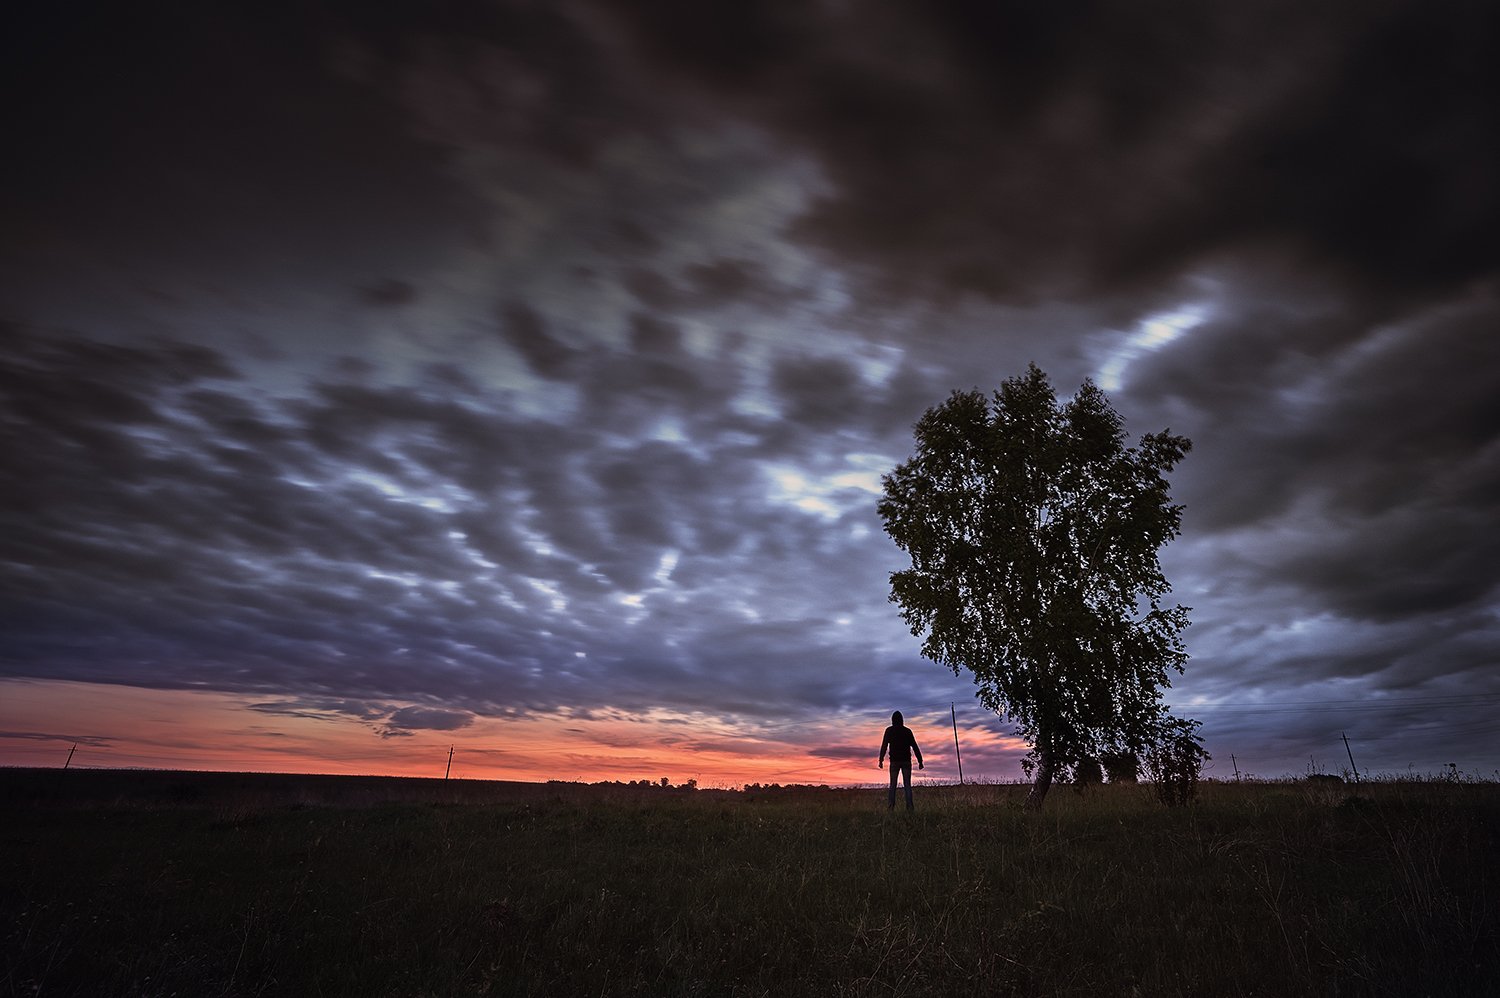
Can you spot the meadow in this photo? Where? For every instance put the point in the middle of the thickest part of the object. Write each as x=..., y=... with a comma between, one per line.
x=129, y=883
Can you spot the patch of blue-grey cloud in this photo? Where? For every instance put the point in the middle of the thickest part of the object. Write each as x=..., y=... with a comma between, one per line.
x=548, y=360
x=408, y=545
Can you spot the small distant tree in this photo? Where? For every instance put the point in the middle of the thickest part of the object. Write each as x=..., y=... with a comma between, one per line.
x=1033, y=531
x=1175, y=759
x=1087, y=773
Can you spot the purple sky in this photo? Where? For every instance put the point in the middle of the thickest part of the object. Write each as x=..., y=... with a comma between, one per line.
x=437, y=361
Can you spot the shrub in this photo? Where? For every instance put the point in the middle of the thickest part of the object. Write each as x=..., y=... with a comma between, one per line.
x=1087, y=773
x=1175, y=761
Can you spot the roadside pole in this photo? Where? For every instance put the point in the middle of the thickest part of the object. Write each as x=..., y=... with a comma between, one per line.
x=953, y=713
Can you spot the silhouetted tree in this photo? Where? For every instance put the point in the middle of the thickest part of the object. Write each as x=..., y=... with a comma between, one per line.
x=1087, y=773
x=1033, y=532
x=1174, y=761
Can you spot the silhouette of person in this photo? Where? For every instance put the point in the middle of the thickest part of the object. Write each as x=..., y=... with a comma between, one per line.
x=902, y=743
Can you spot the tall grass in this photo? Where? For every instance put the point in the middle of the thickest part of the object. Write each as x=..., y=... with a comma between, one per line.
x=1278, y=889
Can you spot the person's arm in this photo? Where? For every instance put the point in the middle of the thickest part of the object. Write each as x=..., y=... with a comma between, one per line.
x=917, y=751
x=883, y=743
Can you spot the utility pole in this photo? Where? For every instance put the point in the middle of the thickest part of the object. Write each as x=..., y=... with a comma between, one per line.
x=1235, y=763
x=70, y=755
x=450, y=763
x=953, y=713
x=1353, y=768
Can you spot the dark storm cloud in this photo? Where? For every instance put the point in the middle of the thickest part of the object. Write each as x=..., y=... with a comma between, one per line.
x=204, y=159
x=527, y=332
x=1386, y=449
x=842, y=753
x=323, y=709
x=430, y=719
x=1021, y=150
x=92, y=741
x=548, y=355
x=819, y=393
x=712, y=283
x=728, y=280
x=1331, y=169
x=407, y=542
x=389, y=292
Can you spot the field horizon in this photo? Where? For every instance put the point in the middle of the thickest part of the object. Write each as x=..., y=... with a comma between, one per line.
x=919, y=779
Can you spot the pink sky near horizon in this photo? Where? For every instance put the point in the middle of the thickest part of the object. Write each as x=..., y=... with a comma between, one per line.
x=132, y=727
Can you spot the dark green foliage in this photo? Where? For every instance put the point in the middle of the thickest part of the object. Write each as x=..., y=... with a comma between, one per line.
x=1174, y=761
x=1121, y=767
x=1087, y=773
x=1033, y=531
x=1256, y=890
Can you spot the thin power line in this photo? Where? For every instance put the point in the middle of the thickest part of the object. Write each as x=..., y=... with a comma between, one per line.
x=1365, y=703
x=1369, y=708
x=1435, y=698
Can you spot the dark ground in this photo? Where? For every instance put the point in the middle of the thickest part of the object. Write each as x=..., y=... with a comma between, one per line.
x=157, y=883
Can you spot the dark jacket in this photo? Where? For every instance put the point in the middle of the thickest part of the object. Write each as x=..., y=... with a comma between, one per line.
x=902, y=743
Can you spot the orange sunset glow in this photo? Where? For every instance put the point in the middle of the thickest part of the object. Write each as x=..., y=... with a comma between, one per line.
x=128, y=727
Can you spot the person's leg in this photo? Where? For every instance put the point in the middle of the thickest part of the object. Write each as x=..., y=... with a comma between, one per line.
x=906, y=778
x=890, y=804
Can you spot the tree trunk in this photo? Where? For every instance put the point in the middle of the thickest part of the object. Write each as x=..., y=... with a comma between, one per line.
x=1039, y=787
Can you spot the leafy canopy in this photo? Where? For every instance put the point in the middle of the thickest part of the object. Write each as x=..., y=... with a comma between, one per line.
x=1033, y=531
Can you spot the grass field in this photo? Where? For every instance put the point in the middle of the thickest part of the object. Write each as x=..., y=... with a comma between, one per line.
x=120, y=883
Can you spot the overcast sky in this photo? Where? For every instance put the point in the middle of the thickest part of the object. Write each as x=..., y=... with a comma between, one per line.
x=388, y=376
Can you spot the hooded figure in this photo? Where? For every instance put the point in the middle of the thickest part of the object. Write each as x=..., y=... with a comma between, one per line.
x=901, y=743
